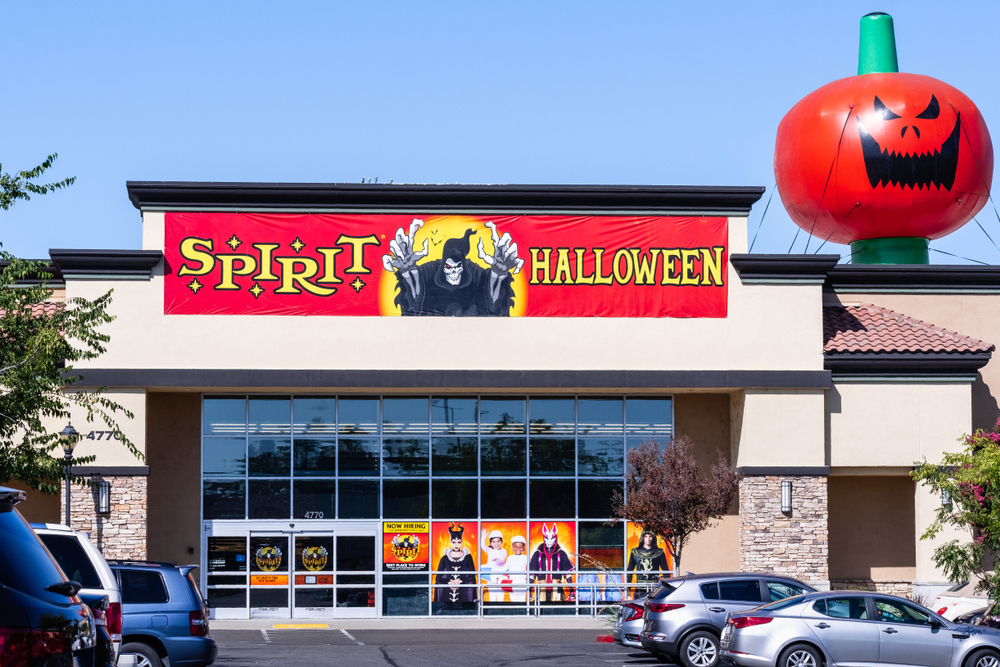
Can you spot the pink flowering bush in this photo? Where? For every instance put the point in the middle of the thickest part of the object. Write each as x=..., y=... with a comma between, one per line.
x=969, y=484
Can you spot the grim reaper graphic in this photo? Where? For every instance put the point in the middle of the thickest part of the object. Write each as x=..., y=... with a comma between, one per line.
x=453, y=285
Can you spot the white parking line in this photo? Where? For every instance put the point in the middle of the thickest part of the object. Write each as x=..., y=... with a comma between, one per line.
x=351, y=637
x=267, y=639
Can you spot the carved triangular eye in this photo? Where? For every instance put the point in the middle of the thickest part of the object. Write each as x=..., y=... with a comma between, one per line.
x=883, y=111
x=932, y=111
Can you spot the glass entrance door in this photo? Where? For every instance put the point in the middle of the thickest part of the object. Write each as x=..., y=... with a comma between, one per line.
x=327, y=572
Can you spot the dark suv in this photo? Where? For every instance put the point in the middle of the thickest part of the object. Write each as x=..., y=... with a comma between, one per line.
x=163, y=615
x=42, y=621
x=683, y=620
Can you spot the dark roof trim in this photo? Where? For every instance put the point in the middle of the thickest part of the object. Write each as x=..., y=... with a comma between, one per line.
x=905, y=364
x=55, y=282
x=732, y=200
x=443, y=379
x=785, y=471
x=913, y=278
x=115, y=471
x=781, y=269
x=106, y=264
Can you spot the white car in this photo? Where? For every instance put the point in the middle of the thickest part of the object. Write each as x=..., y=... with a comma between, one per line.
x=82, y=562
x=958, y=600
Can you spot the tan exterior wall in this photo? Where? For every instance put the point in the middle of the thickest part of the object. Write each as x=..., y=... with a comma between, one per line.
x=39, y=507
x=754, y=336
x=704, y=418
x=781, y=428
x=864, y=507
x=969, y=314
x=109, y=451
x=895, y=424
x=173, y=430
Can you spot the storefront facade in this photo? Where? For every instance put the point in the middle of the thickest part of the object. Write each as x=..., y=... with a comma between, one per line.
x=319, y=456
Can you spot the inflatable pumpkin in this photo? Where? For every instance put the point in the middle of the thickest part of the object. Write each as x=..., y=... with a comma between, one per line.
x=883, y=160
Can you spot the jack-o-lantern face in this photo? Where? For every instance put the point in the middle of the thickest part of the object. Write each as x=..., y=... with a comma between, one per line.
x=883, y=155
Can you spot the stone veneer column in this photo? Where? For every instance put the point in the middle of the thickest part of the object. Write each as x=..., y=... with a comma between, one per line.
x=795, y=544
x=120, y=533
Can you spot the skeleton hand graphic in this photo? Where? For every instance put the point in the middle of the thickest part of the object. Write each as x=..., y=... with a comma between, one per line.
x=404, y=255
x=504, y=257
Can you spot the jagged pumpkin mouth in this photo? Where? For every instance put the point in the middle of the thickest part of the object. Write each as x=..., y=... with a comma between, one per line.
x=916, y=170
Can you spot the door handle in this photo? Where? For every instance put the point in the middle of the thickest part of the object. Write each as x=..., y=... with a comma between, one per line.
x=890, y=631
x=823, y=625
x=716, y=608
x=958, y=636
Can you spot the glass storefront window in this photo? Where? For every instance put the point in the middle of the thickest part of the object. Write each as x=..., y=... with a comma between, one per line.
x=503, y=455
x=552, y=456
x=503, y=498
x=405, y=499
x=315, y=499
x=270, y=457
x=552, y=498
x=648, y=419
x=404, y=417
x=599, y=417
x=314, y=416
x=595, y=497
x=455, y=498
x=224, y=415
x=601, y=546
x=502, y=416
x=552, y=416
x=270, y=415
x=358, y=456
x=269, y=499
x=315, y=458
x=224, y=499
x=224, y=456
x=601, y=457
x=357, y=416
x=454, y=456
x=405, y=457
x=454, y=416
x=357, y=499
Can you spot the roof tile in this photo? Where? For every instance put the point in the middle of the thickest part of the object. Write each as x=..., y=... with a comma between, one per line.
x=868, y=328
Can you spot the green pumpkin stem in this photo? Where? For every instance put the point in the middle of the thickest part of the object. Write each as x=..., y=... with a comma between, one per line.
x=877, y=47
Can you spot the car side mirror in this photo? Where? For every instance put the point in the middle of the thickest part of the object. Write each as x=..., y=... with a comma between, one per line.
x=67, y=588
x=935, y=623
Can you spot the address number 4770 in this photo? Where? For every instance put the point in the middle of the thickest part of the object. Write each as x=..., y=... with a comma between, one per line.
x=97, y=435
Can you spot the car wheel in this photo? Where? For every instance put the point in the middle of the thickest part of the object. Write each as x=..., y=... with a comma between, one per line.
x=700, y=649
x=983, y=658
x=800, y=655
x=145, y=655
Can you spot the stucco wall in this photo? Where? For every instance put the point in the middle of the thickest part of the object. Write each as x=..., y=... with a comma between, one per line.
x=781, y=428
x=174, y=503
x=704, y=418
x=863, y=507
x=754, y=336
x=970, y=314
x=39, y=507
x=895, y=424
x=108, y=449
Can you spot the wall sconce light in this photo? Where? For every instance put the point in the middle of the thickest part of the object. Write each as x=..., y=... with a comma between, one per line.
x=103, y=497
x=945, y=498
x=786, y=497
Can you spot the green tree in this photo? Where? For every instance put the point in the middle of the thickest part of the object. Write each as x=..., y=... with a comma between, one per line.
x=40, y=340
x=969, y=484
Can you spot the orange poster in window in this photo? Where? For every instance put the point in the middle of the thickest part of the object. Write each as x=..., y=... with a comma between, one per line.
x=503, y=562
x=553, y=559
x=649, y=556
x=405, y=546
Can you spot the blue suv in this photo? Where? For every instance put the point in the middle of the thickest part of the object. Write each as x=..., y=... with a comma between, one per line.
x=164, y=617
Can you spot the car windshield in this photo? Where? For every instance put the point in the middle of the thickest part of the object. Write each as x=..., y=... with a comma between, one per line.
x=73, y=559
x=25, y=565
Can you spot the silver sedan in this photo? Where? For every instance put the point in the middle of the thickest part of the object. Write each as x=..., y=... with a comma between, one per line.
x=856, y=629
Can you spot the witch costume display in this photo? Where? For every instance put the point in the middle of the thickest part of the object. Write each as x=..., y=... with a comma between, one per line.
x=647, y=559
x=456, y=567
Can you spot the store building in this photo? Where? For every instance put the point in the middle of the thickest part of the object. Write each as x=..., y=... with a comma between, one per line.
x=317, y=455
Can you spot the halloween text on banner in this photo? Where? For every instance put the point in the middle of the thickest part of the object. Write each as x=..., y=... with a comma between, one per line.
x=412, y=265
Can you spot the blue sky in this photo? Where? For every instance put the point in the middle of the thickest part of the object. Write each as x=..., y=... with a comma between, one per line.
x=514, y=92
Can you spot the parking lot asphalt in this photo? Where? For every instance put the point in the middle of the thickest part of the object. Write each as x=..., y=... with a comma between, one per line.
x=421, y=648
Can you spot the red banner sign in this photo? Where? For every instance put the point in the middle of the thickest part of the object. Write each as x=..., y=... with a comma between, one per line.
x=508, y=266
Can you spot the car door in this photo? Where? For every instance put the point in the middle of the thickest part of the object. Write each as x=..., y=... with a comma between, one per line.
x=728, y=596
x=844, y=628
x=910, y=636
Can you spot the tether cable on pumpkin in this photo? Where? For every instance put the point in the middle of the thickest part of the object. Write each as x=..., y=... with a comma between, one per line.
x=982, y=176
x=836, y=156
x=853, y=209
x=761, y=223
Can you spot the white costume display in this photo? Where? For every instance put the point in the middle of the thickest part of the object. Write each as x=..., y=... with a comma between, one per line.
x=494, y=568
x=518, y=563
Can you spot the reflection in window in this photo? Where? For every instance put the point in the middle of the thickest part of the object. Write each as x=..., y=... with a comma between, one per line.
x=404, y=416
x=270, y=415
x=502, y=416
x=454, y=456
x=599, y=417
x=358, y=416
x=601, y=456
x=315, y=499
x=315, y=458
x=358, y=456
x=552, y=416
x=649, y=419
x=552, y=456
x=595, y=498
x=224, y=500
x=269, y=499
x=503, y=499
x=405, y=499
x=405, y=457
x=224, y=415
x=270, y=457
x=601, y=546
x=224, y=456
x=357, y=499
x=315, y=416
x=503, y=456
x=453, y=416
x=553, y=498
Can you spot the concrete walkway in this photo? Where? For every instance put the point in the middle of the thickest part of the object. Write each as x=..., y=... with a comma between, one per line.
x=599, y=625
